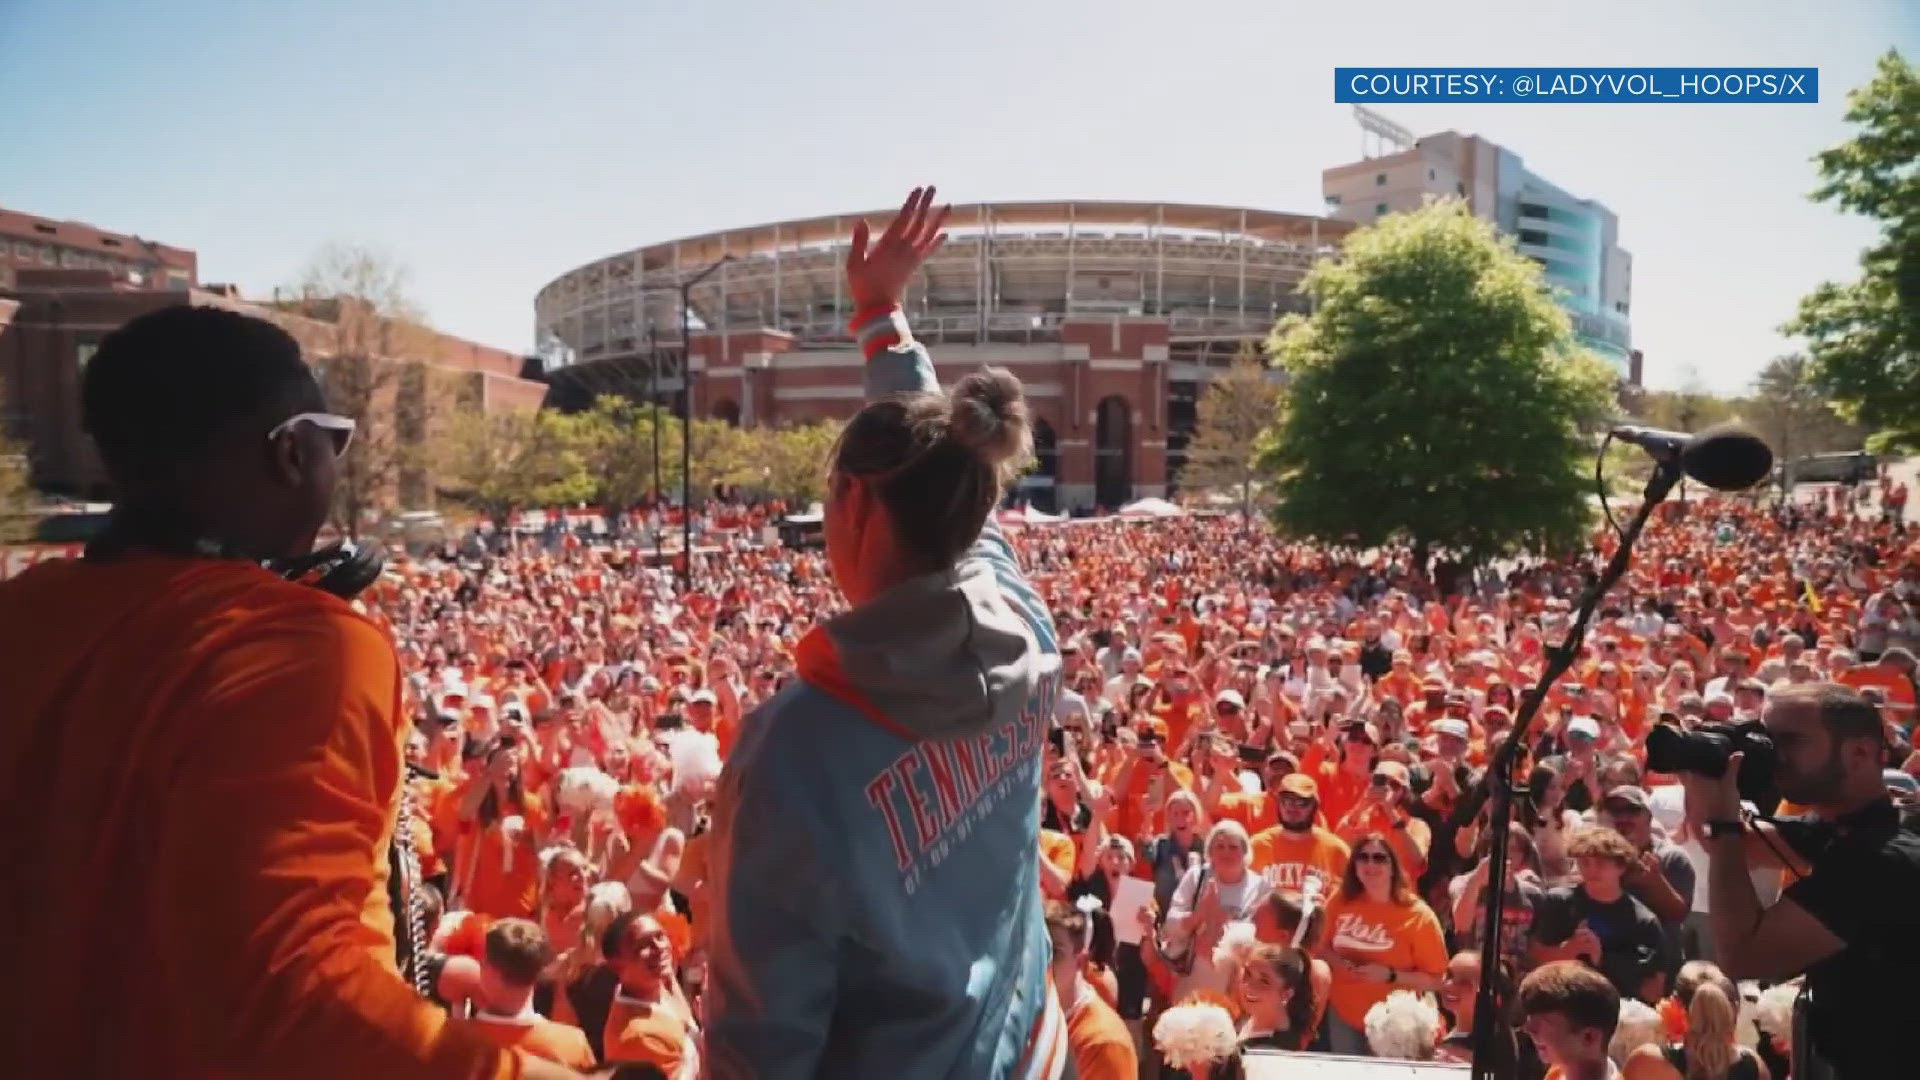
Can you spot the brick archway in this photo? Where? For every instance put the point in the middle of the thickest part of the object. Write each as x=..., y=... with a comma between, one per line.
x=1113, y=452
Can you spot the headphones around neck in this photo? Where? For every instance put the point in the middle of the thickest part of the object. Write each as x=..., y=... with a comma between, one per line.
x=343, y=568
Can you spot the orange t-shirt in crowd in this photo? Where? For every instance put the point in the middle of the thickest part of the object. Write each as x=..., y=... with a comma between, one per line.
x=1254, y=810
x=1132, y=817
x=201, y=768
x=645, y=1034
x=1365, y=931
x=496, y=884
x=1293, y=854
x=537, y=1035
x=1102, y=1047
x=1339, y=789
x=1058, y=849
x=1898, y=688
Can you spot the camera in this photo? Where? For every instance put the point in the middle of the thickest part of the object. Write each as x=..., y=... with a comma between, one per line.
x=1705, y=751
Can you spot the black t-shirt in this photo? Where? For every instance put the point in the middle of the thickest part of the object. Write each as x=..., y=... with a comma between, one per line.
x=1863, y=888
x=1631, y=941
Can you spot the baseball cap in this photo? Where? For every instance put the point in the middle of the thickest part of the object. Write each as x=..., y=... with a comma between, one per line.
x=1394, y=771
x=1231, y=697
x=706, y=696
x=1299, y=784
x=1451, y=725
x=1627, y=793
x=1584, y=726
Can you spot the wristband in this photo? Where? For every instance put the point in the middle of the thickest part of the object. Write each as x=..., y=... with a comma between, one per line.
x=1718, y=829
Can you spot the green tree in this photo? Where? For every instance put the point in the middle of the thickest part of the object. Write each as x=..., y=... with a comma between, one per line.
x=619, y=436
x=794, y=466
x=1864, y=336
x=502, y=463
x=1789, y=411
x=1435, y=396
x=1236, y=407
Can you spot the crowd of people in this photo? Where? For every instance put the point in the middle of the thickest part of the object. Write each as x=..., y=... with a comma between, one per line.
x=1264, y=812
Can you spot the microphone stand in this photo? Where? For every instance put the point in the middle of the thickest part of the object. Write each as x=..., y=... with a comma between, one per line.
x=1501, y=787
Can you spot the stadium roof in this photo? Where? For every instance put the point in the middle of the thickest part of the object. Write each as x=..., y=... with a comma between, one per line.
x=833, y=228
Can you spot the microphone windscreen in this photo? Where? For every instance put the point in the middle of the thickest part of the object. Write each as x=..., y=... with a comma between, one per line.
x=1726, y=457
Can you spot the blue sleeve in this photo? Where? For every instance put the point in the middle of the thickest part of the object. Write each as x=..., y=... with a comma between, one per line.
x=773, y=949
x=902, y=369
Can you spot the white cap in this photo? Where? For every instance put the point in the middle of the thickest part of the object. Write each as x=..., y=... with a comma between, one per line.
x=1230, y=696
x=703, y=695
x=1584, y=725
x=1450, y=725
x=483, y=702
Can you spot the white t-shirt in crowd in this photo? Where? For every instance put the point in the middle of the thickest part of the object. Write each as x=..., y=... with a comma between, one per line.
x=1669, y=807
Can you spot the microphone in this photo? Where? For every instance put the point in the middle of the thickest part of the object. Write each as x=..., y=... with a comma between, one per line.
x=1725, y=457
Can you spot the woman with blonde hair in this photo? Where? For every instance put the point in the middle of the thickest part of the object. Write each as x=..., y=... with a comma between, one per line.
x=1216, y=890
x=1709, y=1047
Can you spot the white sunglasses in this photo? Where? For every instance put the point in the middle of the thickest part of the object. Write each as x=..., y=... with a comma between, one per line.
x=339, y=428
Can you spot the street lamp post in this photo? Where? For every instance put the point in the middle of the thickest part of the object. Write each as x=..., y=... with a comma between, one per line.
x=686, y=420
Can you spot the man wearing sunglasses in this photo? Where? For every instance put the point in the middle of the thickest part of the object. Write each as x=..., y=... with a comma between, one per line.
x=202, y=758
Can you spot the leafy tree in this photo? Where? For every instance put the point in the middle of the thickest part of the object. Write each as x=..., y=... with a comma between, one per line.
x=1864, y=336
x=620, y=437
x=502, y=463
x=1236, y=407
x=369, y=352
x=1792, y=415
x=792, y=461
x=1435, y=396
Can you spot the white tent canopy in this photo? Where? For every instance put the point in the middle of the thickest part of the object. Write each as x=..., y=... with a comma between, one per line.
x=1151, y=507
x=1027, y=515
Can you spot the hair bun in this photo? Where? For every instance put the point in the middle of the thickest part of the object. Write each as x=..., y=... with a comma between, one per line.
x=989, y=417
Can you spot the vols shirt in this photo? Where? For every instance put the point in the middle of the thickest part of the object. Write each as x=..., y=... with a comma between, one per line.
x=1405, y=937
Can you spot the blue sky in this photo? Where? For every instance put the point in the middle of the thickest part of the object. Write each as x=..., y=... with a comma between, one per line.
x=491, y=146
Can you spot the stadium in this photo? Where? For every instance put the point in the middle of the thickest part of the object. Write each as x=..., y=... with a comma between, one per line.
x=1112, y=313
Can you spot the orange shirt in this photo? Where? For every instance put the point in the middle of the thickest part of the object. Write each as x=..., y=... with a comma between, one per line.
x=1339, y=789
x=1365, y=931
x=1131, y=816
x=1102, y=1047
x=1058, y=849
x=498, y=883
x=1293, y=854
x=649, y=1034
x=1256, y=810
x=201, y=768
x=538, y=1036
x=1898, y=688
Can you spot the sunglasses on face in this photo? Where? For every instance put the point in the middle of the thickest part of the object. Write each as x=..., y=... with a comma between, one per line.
x=338, y=428
x=1372, y=857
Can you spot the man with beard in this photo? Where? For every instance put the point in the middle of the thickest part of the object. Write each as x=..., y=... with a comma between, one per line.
x=1297, y=847
x=1850, y=924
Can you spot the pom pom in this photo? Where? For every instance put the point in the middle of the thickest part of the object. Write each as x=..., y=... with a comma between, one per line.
x=463, y=933
x=640, y=812
x=1640, y=1025
x=1088, y=904
x=1237, y=942
x=1405, y=1025
x=1195, y=1035
x=679, y=933
x=1774, y=1011
x=583, y=789
x=1673, y=1016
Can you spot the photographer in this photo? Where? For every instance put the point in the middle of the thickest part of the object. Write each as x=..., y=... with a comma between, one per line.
x=1850, y=924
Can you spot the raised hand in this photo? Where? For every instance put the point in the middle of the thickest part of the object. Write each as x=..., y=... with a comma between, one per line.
x=877, y=272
